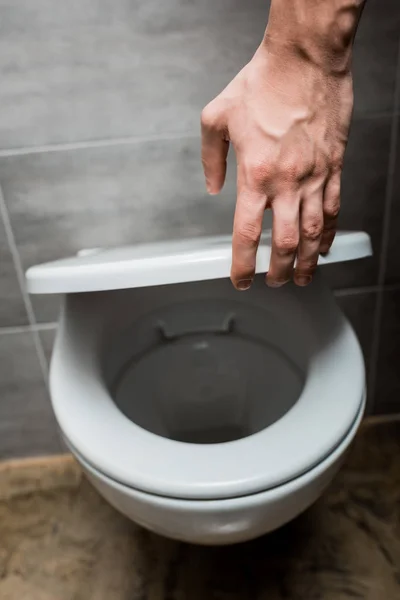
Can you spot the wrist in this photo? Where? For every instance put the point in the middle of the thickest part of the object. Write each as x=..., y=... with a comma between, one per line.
x=320, y=32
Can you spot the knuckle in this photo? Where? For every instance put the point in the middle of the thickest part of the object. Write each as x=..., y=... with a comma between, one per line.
x=312, y=231
x=209, y=116
x=295, y=170
x=332, y=210
x=248, y=234
x=336, y=162
x=242, y=270
x=259, y=172
x=286, y=245
x=205, y=162
x=211, y=164
x=320, y=166
x=306, y=267
x=333, y=189
x=328, y=236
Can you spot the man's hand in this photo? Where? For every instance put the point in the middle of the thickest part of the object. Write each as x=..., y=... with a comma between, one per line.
x=287, y=115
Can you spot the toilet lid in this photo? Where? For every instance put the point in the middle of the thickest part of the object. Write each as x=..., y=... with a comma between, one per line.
x=166, y=263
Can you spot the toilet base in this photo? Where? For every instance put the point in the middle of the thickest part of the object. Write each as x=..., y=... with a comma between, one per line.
x=227, y=521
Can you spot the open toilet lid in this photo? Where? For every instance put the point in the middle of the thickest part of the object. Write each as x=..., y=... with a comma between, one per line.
x=166, y=263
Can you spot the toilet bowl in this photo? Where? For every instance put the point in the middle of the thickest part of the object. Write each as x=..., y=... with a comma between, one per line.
x=201, y=413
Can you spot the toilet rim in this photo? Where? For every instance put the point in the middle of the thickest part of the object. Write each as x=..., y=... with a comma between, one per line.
x=301, y=439
x=287, y=487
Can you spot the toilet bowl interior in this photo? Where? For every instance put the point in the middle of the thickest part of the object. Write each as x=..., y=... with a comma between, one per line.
x=206, y=371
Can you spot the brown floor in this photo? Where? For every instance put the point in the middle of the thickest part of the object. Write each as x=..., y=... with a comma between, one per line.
x=60, y=541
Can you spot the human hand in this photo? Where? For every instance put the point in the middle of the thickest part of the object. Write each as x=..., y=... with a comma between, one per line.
x=288, y=121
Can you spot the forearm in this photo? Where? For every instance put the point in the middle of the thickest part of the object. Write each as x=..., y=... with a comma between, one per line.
x=320, y=31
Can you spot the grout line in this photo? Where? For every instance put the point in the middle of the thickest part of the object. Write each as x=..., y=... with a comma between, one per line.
x=100, y=143
x=389, y=287
x=374, y=354
x=16, y=329
x=372, y=115
x=50, y=326
x=21, y=280
x=132, y=140
x=12, y=329
x=368, y=289
x=371, y=420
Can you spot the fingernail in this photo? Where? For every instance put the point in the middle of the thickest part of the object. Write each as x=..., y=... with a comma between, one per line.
x=244, y=284
x=273, y=283
x=210, y=189
x=303, y=280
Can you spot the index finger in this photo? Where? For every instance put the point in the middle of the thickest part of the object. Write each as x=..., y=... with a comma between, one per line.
x=214, y=150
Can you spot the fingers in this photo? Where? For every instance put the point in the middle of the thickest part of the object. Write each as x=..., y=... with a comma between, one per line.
x=247, y=227
x=302, y=229
x=331, y=207
x=311, y=228
x=214, y=149
x=285, y=239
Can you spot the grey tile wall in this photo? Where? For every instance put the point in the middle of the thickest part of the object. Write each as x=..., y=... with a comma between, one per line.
x=360, y=308
x=47, y=336
x=388, y=368
x=12, y=307
x=60, y=202
x=27, y=425
x=99, y=123
x=375, y=57
x=91, y=69
x=363, y=194
x=387, y=385
x=392, y=271
x=99, y=69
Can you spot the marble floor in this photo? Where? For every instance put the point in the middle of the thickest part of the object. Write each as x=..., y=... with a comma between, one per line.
x=60, y=541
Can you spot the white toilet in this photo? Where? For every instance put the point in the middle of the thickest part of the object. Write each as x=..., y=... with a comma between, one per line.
x=204, y=414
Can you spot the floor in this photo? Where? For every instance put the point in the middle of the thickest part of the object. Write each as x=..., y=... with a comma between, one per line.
x=60, y=541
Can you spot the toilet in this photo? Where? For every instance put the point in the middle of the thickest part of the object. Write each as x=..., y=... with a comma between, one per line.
x=202, y=413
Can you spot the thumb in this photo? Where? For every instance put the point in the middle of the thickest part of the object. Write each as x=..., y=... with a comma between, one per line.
x=214, y=149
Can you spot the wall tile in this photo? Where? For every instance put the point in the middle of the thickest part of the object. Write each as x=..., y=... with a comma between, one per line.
x=12, y=308
x=60, y=202
x=91, y=69
x=359, y=308
x=99, y=68
x=27, y=425
x=388, y=372
x=392, y=272
x=375, y=56
x=363, y=197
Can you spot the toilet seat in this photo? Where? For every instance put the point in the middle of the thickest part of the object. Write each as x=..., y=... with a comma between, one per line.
x=92, y=424
x=106, y=439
